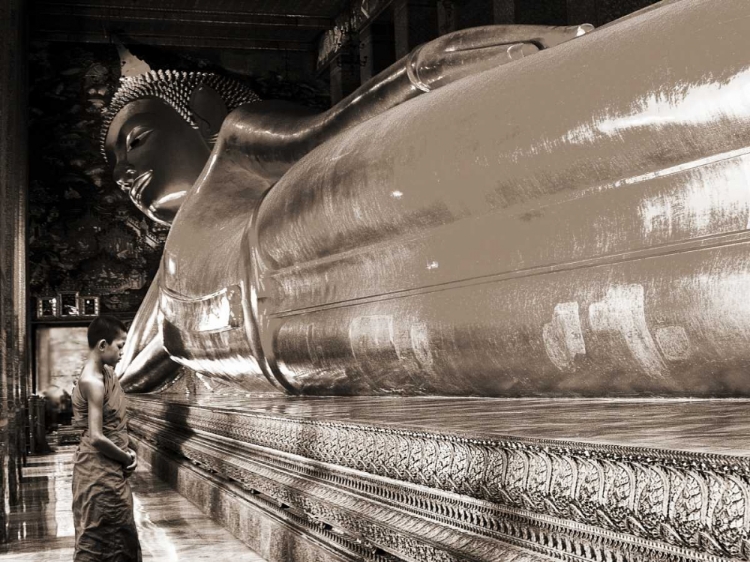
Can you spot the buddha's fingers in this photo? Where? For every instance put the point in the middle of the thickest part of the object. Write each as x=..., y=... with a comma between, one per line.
x=150, y=369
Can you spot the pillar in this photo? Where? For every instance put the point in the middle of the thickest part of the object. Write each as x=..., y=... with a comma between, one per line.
x=582, y=11
x=13, y=211
x=415, y=22
x=542, y=12
x=447, y=13
x=473, y=13
x=377, y=49
x=504, y=12
x=344, y=73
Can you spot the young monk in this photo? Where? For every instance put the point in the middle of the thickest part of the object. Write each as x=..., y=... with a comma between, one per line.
x=102, y=500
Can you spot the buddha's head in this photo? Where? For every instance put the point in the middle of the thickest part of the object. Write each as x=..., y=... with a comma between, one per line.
x=158, y=132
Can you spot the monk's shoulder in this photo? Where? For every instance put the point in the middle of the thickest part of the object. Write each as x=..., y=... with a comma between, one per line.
x=90, y=380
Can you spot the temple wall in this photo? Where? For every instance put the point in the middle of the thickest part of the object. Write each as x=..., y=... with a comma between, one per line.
x=85, y=235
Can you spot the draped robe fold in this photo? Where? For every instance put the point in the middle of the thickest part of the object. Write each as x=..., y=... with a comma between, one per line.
x=102, y=500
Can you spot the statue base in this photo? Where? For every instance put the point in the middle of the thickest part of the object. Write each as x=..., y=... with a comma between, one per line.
x=269, y=528
x=448, y=479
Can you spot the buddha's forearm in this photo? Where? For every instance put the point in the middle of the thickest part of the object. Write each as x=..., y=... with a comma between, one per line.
x=275, y=135
x=440, y=62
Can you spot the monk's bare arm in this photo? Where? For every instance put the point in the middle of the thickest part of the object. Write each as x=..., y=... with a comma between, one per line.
x=93, y=391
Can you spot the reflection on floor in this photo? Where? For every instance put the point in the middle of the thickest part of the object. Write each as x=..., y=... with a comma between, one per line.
x=170, y=527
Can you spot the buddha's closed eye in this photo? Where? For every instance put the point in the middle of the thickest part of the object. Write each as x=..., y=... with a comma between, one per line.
x=137, y=139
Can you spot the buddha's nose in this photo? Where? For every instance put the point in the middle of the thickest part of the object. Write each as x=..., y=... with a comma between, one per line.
x=125, y=176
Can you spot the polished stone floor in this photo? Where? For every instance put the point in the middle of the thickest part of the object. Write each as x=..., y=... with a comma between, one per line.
x=170, y=527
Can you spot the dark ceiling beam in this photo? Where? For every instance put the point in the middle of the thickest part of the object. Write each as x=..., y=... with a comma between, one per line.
x=202, y=41
x=119, y=13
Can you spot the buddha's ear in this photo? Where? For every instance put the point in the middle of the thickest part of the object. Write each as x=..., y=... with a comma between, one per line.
x=209, y=111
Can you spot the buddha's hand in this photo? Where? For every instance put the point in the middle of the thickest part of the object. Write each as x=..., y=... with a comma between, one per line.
x=148, y=208
x=134, y=186
x=158, y=216
x=137, y=200
x=470, y=51
x=149, y=367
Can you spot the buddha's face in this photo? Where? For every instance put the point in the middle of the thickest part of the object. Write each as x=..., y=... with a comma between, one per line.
x=157, y=156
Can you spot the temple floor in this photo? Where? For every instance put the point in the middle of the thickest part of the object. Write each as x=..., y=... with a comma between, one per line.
x=169, y=526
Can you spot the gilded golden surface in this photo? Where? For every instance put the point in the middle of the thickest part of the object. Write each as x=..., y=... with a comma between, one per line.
x=571, y=223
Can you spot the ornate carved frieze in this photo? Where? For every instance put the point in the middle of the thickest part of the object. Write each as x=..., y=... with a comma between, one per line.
x=464, y=496
x=332, y=500
x=196, y=482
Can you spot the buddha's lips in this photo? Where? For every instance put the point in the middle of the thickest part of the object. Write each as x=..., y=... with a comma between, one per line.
x=139, y=184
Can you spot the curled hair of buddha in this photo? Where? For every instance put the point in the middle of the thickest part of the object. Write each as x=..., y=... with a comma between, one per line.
x=175, y=88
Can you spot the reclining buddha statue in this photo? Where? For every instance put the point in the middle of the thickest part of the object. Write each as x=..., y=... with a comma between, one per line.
x=574, y=222
x=178, y=112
